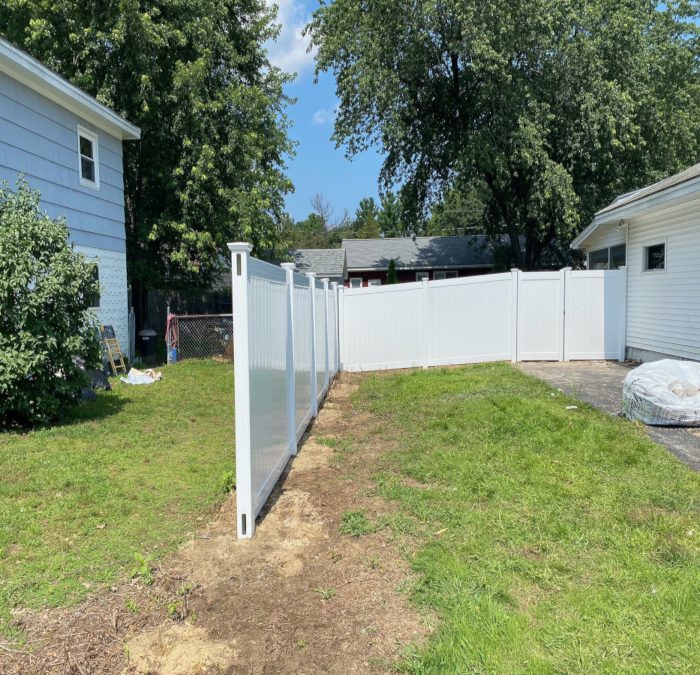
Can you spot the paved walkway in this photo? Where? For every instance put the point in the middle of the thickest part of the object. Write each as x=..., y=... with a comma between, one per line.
x=599, y=383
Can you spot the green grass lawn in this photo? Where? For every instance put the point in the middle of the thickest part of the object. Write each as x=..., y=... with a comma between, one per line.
x=126, y=474
x=570, y=542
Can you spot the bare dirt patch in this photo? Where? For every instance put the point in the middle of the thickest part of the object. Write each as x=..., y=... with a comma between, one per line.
x=297, y=598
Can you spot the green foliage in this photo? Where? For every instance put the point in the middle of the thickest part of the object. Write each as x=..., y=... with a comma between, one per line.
x=143, y=569
x=366, y=225
x=47, y=332
x=228, y=481
x=194, y=75
x=133, y=470
x=554, y=106
x=549, y=540
x=356, y=523
x=391, y=276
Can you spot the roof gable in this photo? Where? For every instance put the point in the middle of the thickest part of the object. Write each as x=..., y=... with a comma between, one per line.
x=325, y=262
x=25, y=69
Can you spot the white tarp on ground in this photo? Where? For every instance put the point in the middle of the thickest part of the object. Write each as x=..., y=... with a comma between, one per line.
x=663, y=393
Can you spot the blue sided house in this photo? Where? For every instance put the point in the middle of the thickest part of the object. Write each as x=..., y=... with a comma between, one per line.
x=69, y=147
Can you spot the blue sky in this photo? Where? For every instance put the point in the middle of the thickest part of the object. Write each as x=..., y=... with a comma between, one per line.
x=318, y=166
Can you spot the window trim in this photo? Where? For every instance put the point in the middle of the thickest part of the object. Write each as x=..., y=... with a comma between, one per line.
x=351, y=279
x=453, y=274
x=423, y=275
x=93, y=138
x=648, y=244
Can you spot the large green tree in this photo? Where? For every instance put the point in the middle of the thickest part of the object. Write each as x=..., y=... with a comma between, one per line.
x=194, y=75
x=555, y=106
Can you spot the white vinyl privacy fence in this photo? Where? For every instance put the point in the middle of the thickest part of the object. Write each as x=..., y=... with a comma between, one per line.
x=293, y=333
x=516, y=316
x=285, y=345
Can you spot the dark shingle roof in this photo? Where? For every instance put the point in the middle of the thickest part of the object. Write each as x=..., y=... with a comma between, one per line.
x=421, y=252
x=326, y=262
x=671, y=181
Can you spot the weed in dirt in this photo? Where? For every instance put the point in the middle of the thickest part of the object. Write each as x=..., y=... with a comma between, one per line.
x=373, y=563
x=143, y=570
x=228, y=482
x=326, y=593
x=546, y=539
x=356, y=524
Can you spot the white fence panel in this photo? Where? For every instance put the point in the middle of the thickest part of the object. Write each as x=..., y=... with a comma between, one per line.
x=281, y=320
x=321, y=343
x=383, y=327
x=595, y=314
x=540, y=316
x=302, y=354
x=469, y=319
x=333, y=329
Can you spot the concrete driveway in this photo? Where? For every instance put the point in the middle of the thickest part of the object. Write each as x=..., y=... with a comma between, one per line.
x=599, y=383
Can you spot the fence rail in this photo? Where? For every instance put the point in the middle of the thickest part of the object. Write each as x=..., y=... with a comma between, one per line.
x=283, y=369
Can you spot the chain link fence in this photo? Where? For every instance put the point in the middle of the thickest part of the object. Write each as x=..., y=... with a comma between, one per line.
x=199, y=336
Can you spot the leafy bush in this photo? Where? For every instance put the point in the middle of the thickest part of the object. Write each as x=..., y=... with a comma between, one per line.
x=47, y=333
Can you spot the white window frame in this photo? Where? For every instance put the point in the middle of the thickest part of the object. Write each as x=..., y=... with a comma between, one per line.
x=374, y=282
x=92, y=137
x=439, y=275
x=352, y=285
x=422, y=275
x=648, y=244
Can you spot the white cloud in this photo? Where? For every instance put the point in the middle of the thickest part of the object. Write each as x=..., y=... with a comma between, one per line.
x=290, y=50
x=324, y=116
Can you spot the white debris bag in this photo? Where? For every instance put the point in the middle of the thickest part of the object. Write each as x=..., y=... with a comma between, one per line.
x=663, y=393
x=141, y=377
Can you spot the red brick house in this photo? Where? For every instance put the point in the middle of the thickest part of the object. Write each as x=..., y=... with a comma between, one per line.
x=416, y=258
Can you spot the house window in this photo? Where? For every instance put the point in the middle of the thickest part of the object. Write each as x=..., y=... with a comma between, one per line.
x=355, y=282
x=598, y=260
x=447, y=274
x=422, y=275
x=94, y=298
x=611, y=258
x=618, y=257
x=374, y=282
x=88, y=163
x=655, y=257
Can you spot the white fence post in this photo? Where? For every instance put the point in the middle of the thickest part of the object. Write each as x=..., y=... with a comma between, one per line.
x=240, y=253
x=563, y=279
x=336, y=351
x=567, y=313
x=515, y=277
x=623, y=317
x=291, y=376
x=327, y=378
x=314, y=389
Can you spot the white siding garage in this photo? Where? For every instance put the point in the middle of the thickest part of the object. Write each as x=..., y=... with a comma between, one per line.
x=660, y=226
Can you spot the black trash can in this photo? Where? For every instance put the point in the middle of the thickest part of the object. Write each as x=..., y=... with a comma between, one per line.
x=147, y=344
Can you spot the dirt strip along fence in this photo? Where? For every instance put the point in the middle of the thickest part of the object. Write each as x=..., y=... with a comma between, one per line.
x=286, y=336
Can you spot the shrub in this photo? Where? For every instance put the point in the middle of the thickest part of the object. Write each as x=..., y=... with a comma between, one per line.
x=391, y=276
x=47, y=333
